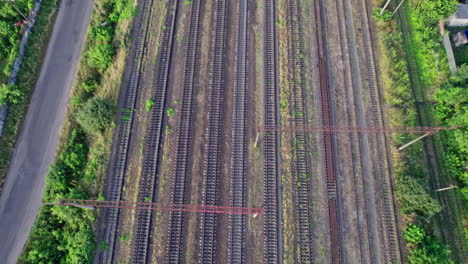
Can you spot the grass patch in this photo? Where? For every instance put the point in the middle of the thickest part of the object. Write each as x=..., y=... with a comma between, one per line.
x=149, y=104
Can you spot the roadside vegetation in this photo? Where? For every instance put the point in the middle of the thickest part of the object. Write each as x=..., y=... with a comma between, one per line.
x=416, y=198
x=10, y=36
x=17, y=96
x=64, y=234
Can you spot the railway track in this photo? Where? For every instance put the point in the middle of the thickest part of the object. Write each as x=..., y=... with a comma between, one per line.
x=153, y=139
x=120, y=162
x=208, y=221
x=390, y=228
x=301, y=162
x=272, y=180
x=327, y=120
x=237, y=223
x=176, y=243
x=364, y=186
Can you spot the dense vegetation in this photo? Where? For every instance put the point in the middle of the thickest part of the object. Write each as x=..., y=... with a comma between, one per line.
x=413, y=189
x=424, y=16
x=424, y=248
x=452, y=110
x=63, y=234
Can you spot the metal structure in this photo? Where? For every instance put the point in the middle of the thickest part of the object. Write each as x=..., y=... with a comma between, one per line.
x=194, y=208
x=348, y=129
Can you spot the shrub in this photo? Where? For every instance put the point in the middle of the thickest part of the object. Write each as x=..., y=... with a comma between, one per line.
x=414, y=199
x=95, y=115
x=100, y=57
x=386, y=15
x=10, y=94
x=170, y=112
x=414, y=234
x=149, y=104
x=424, y=248
x=89, y=86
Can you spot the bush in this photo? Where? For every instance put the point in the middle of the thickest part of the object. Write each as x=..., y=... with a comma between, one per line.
x=100, y=56
x=95, y=115
x=414, y=234
x=414, y=199
x=89, y=86
x=386, y=15
x=424, y=248
x=10, y=94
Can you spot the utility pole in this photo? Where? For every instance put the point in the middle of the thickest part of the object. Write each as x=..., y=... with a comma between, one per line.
x=75, y=205
x=446, y=188
x=19, y=12
x=385, y=7
x=398, y=7
x=414, y=141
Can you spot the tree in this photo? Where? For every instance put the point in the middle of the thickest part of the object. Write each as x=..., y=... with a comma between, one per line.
x=95, y=115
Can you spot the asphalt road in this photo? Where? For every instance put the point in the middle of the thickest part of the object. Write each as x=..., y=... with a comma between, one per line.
x=22, y=194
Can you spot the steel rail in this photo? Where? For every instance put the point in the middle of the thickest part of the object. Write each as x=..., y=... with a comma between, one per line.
x=153, y=139
x=390, y=235
x=208, y=221
x=238, y=184
x=176, y=243
x=271, y=175
x=328, y=137
x=300, y=145
x=116, y=179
